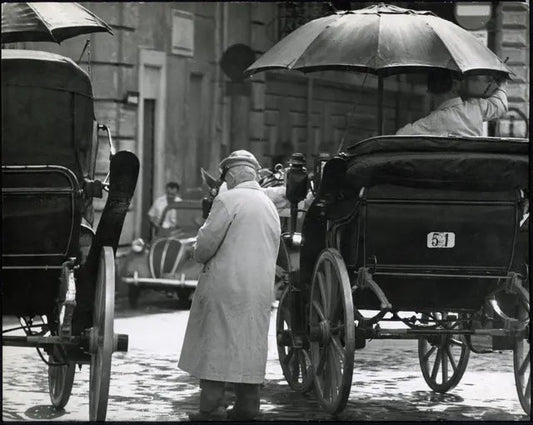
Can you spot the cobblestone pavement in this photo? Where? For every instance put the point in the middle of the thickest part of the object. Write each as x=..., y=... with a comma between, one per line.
x=147, y=386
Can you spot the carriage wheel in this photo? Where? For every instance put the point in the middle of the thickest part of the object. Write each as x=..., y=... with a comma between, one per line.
x=101, y=339
x=295, y=362
x=522, y=360
x=443, y=360
x=282, y=270
x=332, y=331
x=60, y=379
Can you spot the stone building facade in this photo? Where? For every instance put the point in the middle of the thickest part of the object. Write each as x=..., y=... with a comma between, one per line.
x=159, y=86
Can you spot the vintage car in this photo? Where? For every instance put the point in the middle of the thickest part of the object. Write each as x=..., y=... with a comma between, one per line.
x=164, y=264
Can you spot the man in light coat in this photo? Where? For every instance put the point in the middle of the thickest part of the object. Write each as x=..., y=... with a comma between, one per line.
x=226, y=338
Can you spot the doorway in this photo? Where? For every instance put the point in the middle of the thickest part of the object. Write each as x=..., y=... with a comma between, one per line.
x=151, y=125
x=147, y=165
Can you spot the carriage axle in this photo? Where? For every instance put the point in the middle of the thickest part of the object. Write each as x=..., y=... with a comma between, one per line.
x=120, y=341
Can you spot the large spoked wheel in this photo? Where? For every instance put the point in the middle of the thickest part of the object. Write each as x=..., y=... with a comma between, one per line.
x=332, y=331
x=60, y=378
x=522, y=359
x=294, y=360
x=282, y=270
x=443, y=360
x=102, y=336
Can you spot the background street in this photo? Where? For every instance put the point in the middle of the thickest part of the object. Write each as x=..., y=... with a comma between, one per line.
x=146, y=384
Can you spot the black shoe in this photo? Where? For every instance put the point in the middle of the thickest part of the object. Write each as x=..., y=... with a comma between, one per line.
x=235, y=415
x=218, y=414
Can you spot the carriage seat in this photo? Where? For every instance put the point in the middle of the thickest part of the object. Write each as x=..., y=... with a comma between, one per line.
x=41, y=216
x=430, y=217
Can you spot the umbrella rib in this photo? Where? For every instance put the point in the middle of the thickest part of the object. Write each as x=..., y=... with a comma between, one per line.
x=44, y=22
x=428, y=24
x=289, y=66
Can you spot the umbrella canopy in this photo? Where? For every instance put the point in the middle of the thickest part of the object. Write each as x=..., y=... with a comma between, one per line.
x=382, y=40
x=48, y=22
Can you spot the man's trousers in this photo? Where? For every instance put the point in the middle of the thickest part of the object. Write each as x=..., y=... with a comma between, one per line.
x=247, y=398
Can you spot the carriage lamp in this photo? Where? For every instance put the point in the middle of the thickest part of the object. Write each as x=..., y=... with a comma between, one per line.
x=297, y=179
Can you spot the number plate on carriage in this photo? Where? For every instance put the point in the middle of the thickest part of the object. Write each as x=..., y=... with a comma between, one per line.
x=441, y=240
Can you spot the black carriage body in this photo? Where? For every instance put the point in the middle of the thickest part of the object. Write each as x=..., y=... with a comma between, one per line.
x=47, y=149
x=391, y=202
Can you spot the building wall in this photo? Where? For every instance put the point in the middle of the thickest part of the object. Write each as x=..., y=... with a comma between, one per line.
x=272, y=114
x=512, y=42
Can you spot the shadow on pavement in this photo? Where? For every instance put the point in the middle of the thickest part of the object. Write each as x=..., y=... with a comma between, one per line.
x=44, y=412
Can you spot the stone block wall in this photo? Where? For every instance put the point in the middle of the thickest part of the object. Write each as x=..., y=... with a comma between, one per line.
x=513, y=42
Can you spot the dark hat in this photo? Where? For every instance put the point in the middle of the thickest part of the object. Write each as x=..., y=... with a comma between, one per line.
x=240, y=157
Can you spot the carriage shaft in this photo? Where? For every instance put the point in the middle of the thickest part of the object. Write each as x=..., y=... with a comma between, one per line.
x=417, y=333
x=38, y=341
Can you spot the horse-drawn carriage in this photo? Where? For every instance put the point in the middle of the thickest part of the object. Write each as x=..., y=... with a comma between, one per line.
x=427, y=232
x=57, y=273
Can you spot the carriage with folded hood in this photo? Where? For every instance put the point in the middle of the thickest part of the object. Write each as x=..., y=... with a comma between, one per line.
x=429, y=233
x=58, y=274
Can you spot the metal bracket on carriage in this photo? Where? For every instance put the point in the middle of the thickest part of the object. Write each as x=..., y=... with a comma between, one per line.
x=365, y=281
x=67, y=300
x=93, y=188
x=512, y=285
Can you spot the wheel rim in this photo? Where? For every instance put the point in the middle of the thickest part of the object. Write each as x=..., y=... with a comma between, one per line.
x=60, y=379
x=102, y=336
x=443, y=360
x=332, y=331
x=295, y=362
x=282, y=270
x=522, y=362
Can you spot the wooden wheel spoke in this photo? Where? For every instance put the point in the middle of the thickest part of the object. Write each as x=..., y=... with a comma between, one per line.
x=528, y=388
x=450, y=357
x=336, y=301
x=429, y=353
x=338, y=348
x=321, y=362
x=523, y=367
x=329, y=284
x=295, y=369
x=457, y=342
x=444, y=361
x=322, y=286
x=334, y=372
x=302, y=364
x=289, y=356
x=435, y=369
x=318, y=309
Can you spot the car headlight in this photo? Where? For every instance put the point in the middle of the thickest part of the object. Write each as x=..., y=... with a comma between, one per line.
x=137, y=245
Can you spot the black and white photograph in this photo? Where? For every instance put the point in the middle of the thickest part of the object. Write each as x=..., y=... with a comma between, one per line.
x=269, y=211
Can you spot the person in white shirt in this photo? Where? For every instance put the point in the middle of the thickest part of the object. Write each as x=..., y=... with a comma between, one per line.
x=453, y=115
x=161, y=219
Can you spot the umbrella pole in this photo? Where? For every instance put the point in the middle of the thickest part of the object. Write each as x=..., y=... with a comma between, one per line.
x=380, y=105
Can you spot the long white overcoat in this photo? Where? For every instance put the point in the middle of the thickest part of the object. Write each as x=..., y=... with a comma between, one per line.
x=227, y=334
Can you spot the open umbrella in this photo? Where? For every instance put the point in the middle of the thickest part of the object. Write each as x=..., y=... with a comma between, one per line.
x=53, y=22
x=382, y=40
